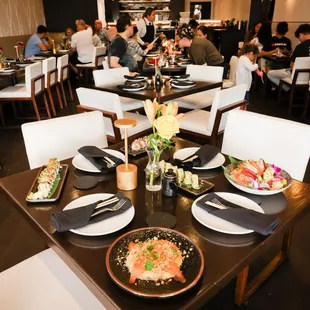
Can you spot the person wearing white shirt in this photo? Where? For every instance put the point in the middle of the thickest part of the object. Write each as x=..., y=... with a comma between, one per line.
x=82, y=43
x=146, y=27
x=246, y=65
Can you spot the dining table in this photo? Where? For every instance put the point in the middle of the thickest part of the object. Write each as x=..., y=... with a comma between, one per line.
x=225, y=255
x=165, y=93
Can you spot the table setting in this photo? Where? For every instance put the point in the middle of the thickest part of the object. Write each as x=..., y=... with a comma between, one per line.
x=186, y=217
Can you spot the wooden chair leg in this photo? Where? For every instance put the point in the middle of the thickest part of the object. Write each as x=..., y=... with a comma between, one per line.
x=51, y=101
x=307, y=98
x=35, y=107
x=2, y=121
x=46, y=106
x=63, y=93
x=59, y=97
x=245, y=290
x=280, y=92
x=70, y=90
x=214, y=140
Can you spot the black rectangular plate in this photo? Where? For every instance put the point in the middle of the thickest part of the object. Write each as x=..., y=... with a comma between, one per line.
x=133, y=153
x=63, y=173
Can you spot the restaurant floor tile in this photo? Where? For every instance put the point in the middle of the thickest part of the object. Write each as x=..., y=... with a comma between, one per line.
x=287, y=289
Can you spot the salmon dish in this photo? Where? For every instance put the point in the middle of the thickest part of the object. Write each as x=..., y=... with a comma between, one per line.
x=154, y=260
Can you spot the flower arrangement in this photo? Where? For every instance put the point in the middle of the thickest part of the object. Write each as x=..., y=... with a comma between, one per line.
x=165, y=124
x=20, y=51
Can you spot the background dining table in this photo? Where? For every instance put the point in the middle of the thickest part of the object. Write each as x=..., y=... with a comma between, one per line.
x=225, y=255
x=165, y=93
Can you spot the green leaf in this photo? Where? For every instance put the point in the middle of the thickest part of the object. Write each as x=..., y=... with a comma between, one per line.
x=150, y=248
x=226, y=170
x=54, y=187
x=154, y=255
x=234, y=161
x=148, y=266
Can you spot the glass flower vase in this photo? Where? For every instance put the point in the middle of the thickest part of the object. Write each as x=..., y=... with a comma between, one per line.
x=153, y=173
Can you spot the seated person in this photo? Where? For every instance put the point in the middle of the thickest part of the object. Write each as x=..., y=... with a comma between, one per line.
x=280, y=40
x=201, y=51
x=135, y=48
x=66, y=39
x=251, y=34
x=82, y=44
x=118, y=53
x=302, y=50
x=202, y=32
x=193, y=24
x=37, y=42
x=96, y=39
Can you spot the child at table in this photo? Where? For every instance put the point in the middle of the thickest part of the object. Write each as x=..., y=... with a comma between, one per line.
x=246, y=65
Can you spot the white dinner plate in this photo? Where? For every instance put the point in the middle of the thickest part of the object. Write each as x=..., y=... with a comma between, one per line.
x=106, y=226
x=216, y=162
x=7, y=70
x=81, y=163
x=39, y=58
x=24, y=65
x=220, y=225
x=182, y=86
x=63, y=51
x=184, y=64
x=138, y=78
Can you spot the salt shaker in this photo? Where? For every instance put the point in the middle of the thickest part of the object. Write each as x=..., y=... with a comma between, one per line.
x=169, y=184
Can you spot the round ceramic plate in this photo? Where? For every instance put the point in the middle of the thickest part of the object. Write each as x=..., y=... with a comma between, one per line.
x=106, y=226
x=192, y=266
x=63, y=51
x=182, y=86
x=24, y=65
x=216, y=162
x=265, y=192
x=137, y=78
x=135, y=89
x=81, y=163
x=8, y=70
x=220, y=225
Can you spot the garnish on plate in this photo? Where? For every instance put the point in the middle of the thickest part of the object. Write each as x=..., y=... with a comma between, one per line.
x=139, y=144
x=155, y=260
x=255, y=174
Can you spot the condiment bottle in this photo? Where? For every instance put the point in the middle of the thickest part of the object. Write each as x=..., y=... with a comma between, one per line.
x=169, y=184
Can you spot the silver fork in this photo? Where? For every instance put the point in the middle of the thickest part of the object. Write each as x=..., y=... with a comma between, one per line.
x=116, y=207
x=217, y=202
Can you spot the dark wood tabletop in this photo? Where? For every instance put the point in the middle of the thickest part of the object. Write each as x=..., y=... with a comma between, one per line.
x=166, y=70
x=51, y=54
x=225, y=255
x=284, y=59
x=166, y=92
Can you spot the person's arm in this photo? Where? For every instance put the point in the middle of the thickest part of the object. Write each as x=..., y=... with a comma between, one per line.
x=292, y=65
x=114, y=62
x=73, y=44
x=198, y=54
x=250, y=66
x=268, y=53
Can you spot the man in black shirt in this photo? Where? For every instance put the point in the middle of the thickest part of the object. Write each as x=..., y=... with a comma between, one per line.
x=302, y=50
x=118, y=53
x=280, y=40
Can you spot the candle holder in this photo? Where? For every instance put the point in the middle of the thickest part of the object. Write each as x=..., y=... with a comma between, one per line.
x=126, y=174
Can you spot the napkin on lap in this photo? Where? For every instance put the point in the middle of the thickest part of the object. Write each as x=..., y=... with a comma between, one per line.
x=95, y=156
x=261, y=223
x=205, y=154
x=80, y=217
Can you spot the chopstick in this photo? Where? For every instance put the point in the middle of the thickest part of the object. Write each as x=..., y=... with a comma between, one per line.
x=107, y=202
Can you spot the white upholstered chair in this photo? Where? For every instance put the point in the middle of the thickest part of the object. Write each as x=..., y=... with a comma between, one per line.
x=110, y=106
x=116, y=76
x=63, y=76
x=63, y=136
x=203, y=99
x=98, y=57
x=44, y=281
x=278, y=141
x=299, y=80
x=50, y=72
x=105, y=63
x=34, y=86
x=210, y=124
x=231, y=81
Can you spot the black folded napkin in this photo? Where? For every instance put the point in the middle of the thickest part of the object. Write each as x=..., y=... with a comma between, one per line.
x=134, y=78
x=132, y=86
x=96, y=156
x=205, y=154
x=80, y=217
x=261, y=223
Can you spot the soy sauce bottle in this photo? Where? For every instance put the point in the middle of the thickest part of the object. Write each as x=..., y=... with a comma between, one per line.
x=157, y=78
